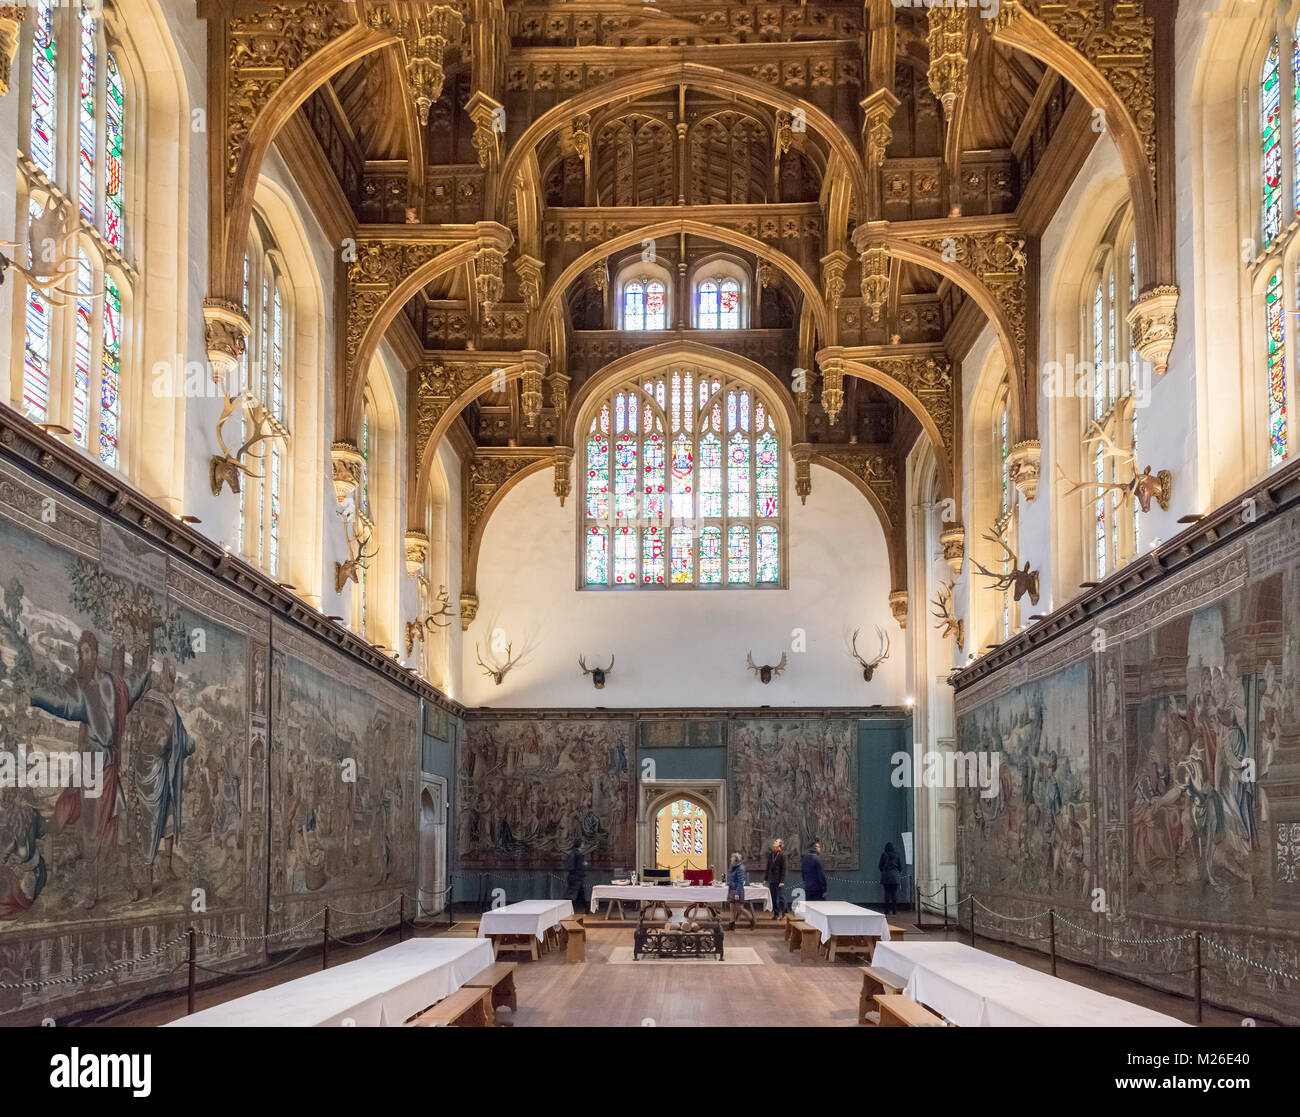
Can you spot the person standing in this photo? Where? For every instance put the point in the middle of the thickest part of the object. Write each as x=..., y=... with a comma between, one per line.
x=891, y=867
x=814, y=876
x=575, y=867
x=736, y=881
x=774, y=875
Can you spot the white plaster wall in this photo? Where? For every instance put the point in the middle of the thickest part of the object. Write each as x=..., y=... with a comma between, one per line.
x=685, y=648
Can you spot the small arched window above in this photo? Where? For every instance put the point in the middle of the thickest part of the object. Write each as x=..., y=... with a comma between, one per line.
x=645, y=304
x=721, y=287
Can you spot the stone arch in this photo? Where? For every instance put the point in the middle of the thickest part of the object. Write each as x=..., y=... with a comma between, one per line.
x=711, y=78
x=813, y=298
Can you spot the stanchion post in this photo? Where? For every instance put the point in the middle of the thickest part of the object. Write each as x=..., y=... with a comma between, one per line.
x=401, y=916
x=972, y=919
x=917, y=890
x=1051, y=936
x=325, y=942
x=945, y=905
x=193, y=965
x=1196, y=946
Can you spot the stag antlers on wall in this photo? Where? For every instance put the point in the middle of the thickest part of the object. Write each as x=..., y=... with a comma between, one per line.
x=1024, y=580
x=496, y=674
x=52, y=263
x=345, y=572
x=766, y=672
x=1142, y=487
x=227, y=467
x=415, y=629
x=597, y=673
x=946, y=615
x=869, y=666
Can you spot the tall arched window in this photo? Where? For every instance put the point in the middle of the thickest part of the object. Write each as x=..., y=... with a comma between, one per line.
x=1005, y=525
x=363, y=524
x=644, y=305
x=683, y=486
x=1275, y=333
x=1270, y=130
x=720, y=287
x=70, y=62
x=1108, y=419
x=264, y=374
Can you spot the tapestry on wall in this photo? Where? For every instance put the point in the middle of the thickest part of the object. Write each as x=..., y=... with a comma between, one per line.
x=796, y=780
x=529, y=787
x=1033, y=835
x=345, y=750
x=132, y=750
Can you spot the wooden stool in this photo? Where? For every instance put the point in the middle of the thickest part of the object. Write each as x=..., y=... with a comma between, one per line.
x=466, y=1008
x=875, y=982
x=552, y=939
x=575, y=940
x=898, y=1011
x=500, y=978
x=897, y=934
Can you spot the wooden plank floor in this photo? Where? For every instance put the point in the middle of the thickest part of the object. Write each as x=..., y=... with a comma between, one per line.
x=780, y=992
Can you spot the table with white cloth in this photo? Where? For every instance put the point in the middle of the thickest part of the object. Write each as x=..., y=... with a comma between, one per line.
x=523, y=925
x=843, y=925
x=380, y=990
x=975, y=989
x=676, y=897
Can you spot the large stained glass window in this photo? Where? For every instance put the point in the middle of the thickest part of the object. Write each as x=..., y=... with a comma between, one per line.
x=1275, y=321
x=75, y=81
x=683, y=486
x=645, y=305
x=1270, y=129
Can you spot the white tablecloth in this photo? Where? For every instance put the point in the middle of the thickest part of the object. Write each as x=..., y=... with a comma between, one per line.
x=679, y=895
x=835, y=917
x=973, y=988
x=527, y=917
x=381, y=990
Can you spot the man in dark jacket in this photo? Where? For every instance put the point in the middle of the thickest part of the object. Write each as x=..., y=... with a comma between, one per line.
x=891, y=867
x=575, y=866
x=814, y=877
x=774, y=875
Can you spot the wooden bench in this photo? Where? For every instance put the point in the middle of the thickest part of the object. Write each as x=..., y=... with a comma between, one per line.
x=574, y=936
x=863, y=945
x=500, y=978
x=470, y=1007
x=876, y=981
x=790, y=920
x=897, y=934
x=898, y=1011
x=809, y=940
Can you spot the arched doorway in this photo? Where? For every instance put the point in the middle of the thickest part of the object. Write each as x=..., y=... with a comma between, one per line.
x=681, y=838
x=433, y=847
x=656, y=796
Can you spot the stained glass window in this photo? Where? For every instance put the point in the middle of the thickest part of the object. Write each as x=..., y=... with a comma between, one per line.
x=87, y=131
x=729, y=318
x=645, y=305
x=656, y=314
x=83, y=351
x=1275, y=320
x=1270, y=128
x=110, y=398
x=634, y=306
x=114, y=124
x=696, y=486
x=707, y=306
x=1295, y=112
x=44, y=71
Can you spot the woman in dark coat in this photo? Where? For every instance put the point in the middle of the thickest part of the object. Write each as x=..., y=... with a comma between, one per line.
x=891, y=868
x=575, y=867
x=774, y=875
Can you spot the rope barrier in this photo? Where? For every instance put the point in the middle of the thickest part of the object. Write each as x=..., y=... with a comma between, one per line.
x=1120, y=939
x=259, y=938
x=1230, y=953
x=256, y=969
x=95, y=973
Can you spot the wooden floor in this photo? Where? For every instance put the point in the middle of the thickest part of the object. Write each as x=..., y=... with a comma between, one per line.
x=780, y=992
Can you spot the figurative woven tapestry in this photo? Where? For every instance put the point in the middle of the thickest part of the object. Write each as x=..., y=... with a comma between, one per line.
x=529, y=787
x=796, y=780
x=345, y=752
x=132, y=749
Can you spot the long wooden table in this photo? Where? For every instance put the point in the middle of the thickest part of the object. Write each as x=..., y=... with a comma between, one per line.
x=975, y=989
x=676, y=897
x=844, y=926
x=523, y=925
x=380, y=990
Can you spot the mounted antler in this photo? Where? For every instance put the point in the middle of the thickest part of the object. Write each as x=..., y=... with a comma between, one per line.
x=349, y=571
x=869, y=668
x=415, y=629
x=227, y=467
x=946, y=614
x=766, y=672
x=495, y=673
x=1024, y=580
x=597, y=673
x=51, y=254
x=1142, y=487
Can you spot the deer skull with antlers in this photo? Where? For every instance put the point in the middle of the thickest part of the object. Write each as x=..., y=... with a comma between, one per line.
x=597, y=673
x=1024, y=580
x=869, y=667
x=496, y=674
x=415, y=629
x=946, y=615
x=766, y=673
x=1141, y=487
x=227, y=467
x=53, y=268
x=350, y=571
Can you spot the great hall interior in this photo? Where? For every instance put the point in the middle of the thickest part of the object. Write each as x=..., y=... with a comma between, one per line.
x=475, y=474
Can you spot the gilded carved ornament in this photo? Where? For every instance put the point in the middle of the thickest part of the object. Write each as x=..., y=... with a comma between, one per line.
x=947, y=43
x=348, y=468
x=1024, y=460
x=898, y=606
x=1153, y=321
x=426, y=31
x=952, y=541
x=417, y=549
x=11, y=15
